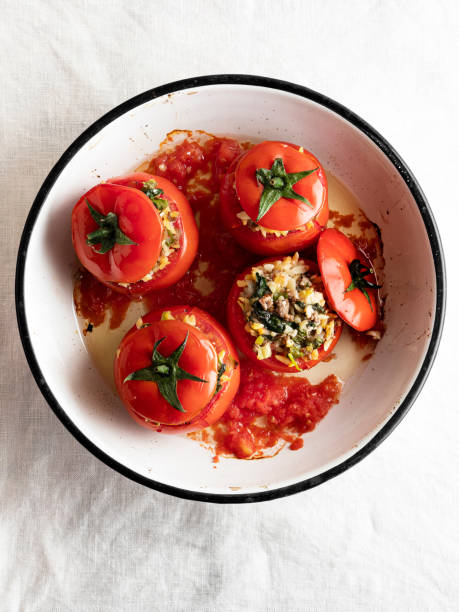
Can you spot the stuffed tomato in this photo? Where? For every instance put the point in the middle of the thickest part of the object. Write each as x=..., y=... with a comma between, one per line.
x=176, y=370
x=135, y=233
x=279, y=317
x=274, y=198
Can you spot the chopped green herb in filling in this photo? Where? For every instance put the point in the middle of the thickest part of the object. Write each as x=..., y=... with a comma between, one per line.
x=286, y=312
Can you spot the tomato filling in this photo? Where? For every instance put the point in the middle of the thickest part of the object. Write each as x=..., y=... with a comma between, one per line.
x=254, y=227
x=285, y=311
x=246, y=221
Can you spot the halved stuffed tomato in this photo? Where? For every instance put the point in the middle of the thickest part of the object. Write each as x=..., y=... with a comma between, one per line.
x=278, y=315
x=179, y=242
x=274, y=198
x=349, y=280
x=176, y=370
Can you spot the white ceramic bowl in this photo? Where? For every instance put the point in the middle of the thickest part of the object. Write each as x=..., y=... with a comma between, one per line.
x=254, y=108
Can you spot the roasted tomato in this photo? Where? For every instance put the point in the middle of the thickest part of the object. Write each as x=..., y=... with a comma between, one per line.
x=117, y=233
x=348, y=279
x=278, y=315
x=254, y=203
x=176, y=370
x=180, y=239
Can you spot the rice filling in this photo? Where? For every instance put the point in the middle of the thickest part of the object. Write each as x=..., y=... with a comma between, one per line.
x=285, y=311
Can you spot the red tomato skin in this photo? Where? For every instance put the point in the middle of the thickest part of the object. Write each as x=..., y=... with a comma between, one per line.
x=286, y=213
x=255, y=242
x=199, y=358
x=137, y=218
x=182, y=258
x=334, y=254
x=244, y=341
x=217, y=405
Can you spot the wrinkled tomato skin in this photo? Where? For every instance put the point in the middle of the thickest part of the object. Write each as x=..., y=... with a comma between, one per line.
x=244, y=341
x=334, y=254
x=182, y=258
x=286, y=213
x=255, y=242
x=221, y=341
x=137, y=218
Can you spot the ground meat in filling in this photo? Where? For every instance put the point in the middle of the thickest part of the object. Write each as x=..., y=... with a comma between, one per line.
x=171, y=235
x=286, y=312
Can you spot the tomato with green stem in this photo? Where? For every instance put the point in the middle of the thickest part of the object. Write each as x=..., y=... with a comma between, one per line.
x=349, y=280
x=280, y=186
x=116, y=233
x=288, y=224
x=176, y=370
x=166, y=198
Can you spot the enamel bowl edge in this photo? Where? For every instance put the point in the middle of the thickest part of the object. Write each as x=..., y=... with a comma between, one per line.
x=254, y=108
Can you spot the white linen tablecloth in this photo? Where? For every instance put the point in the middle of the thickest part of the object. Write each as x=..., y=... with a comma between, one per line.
x=74, y=535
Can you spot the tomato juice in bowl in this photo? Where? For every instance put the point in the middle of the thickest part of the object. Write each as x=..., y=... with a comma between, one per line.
x=364, y=172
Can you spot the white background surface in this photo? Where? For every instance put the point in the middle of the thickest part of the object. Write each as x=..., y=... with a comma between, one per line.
x=76, y=536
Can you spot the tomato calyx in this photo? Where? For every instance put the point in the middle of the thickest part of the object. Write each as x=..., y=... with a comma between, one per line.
x=108, y=233
x=358, y=273
x=151, y=190
x=277, y=184
x=165, y=372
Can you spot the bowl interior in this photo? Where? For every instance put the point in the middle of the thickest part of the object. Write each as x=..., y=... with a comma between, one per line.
x=369, y=398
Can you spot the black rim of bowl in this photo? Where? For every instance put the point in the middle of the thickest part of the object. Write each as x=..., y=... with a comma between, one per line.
x=402, y=169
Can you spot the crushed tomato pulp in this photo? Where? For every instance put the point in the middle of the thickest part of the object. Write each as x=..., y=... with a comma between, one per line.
x=269, y=410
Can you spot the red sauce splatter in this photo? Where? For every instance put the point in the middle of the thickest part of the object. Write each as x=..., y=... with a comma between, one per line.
x=93, y=300
x=370, y=246
x=269, y=409
x=365, y=224
x=340, y=220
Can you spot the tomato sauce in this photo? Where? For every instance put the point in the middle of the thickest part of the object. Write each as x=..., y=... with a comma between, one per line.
x=93, y=300
x=269, y=409
x=196, y=169
x=340, y=220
